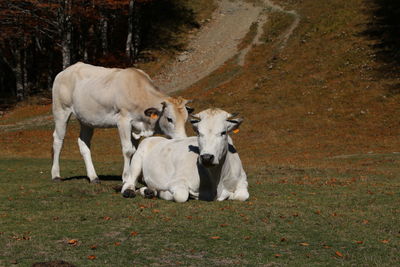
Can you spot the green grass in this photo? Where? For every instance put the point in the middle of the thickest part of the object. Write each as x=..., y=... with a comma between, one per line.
x=329, y=211
x=317, y=196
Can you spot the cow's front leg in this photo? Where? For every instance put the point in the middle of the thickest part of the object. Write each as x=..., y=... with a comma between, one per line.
x=147, y=193
x=225, y=194
x=125, y=129
x=135, y=169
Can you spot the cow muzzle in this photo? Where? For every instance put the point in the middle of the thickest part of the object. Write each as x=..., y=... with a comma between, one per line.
x=207, y=160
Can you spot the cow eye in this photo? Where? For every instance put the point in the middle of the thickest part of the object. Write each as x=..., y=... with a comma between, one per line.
x=223, y=133
x=169, y=120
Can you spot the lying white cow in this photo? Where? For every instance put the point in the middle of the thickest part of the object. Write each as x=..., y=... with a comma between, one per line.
x=103, y=97
x=206, y=166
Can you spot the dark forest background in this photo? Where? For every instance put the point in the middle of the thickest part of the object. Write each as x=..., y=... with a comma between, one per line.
x=40, y=38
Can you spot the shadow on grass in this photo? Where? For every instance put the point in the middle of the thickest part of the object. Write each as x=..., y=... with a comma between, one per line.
x=383, y=28
x=101, y=177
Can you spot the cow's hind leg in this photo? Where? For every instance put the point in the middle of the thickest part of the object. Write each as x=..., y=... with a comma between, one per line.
x=180, y=192
x=166, y=195
x=85, y=137
x=60, y=119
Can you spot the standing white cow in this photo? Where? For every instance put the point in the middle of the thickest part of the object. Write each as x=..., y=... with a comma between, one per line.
x=111, y=97
x=206, y=166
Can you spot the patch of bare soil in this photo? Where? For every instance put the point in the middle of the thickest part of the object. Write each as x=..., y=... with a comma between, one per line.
x=218, y=42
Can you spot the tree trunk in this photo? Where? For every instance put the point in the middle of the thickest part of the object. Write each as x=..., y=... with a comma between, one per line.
x=24, y=69
x=18, y=76
x=50, y=72
x=136, y=31
x=104, y=31
x=66, y=34
x=129, y=48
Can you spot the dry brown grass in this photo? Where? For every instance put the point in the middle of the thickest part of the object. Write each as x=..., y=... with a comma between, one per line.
x=317, y=98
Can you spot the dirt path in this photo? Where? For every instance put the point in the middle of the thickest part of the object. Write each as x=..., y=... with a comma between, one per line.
x=217, y=42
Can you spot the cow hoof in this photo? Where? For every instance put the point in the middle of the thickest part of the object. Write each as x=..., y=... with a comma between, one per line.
x=57, y=179
x=129, y=193
x=149, y=193
x=95, y=181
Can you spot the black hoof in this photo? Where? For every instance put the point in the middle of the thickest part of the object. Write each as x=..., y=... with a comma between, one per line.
x=95, y=181
x=57, y=179
x=149, y=193
x=129, y=193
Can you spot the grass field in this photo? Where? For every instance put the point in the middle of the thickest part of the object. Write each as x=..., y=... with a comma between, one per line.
x=320, y=144
x=294, y=217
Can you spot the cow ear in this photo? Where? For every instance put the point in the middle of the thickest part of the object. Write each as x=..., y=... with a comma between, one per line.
x=152, y=113
x=189, y=109
x=233, y=124
x=194, y=121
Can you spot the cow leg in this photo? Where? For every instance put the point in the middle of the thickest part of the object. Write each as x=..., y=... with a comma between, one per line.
x=240, y=194
x=147, y=193
x=225, y=194
x=85, y=136
x=130, y=182
x=125, y=129
x=180, y=193
x=166, y=195
x=60, y=119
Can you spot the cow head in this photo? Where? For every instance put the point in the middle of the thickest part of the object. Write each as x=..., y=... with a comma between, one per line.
x=212, y=127
x=172, y=117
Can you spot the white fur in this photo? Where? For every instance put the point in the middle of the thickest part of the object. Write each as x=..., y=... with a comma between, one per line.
x=103, y=97
x=172, y=168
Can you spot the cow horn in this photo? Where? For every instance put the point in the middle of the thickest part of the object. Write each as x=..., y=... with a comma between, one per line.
x=192, y=117
x=232, y=115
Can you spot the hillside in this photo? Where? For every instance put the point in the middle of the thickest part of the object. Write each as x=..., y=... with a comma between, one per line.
x=322, y=91
x=321, y=95
x=317, y=84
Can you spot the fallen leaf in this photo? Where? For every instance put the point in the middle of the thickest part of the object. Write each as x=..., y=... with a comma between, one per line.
x=134, y=233
x=304, y=244
x=338, y=254
x=72, y=241
x=91, y=257
x=215, y=237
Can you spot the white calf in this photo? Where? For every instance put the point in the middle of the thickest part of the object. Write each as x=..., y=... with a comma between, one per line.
x=103, y=97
